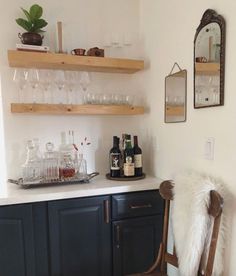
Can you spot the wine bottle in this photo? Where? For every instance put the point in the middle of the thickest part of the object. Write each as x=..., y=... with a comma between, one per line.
x=138, y=166
x=128, y=158
x=122, y=148
x=115, y=158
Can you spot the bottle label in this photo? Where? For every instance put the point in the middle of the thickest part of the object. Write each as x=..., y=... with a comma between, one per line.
x=115, y=161
x=128, y=167
x=138, y=160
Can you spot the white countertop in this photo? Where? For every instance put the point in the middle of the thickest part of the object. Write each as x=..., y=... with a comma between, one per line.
x=97, y=186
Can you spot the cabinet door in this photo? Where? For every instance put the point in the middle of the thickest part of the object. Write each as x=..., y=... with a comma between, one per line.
x=80, y=237
x=17, y=254
x=135, y=244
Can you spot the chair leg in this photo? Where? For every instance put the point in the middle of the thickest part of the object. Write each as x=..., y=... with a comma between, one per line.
x=157, y=261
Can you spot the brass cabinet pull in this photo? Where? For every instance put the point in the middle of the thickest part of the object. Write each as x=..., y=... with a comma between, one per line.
x=149, y=205
x=117, y=234
x=106, y=211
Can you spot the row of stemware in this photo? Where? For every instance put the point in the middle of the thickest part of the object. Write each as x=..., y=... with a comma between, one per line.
x=65, y=87
x=45, y=80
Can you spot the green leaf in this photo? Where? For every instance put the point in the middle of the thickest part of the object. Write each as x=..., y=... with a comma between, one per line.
x=35, y=12
x=39, y=24
x=40, y=31
x=26, y=14
x=24, y=24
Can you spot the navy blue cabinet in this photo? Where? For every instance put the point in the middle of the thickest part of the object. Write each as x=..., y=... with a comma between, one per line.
x=137, y=231
x=80, y=237
x=95, y=236
x=23, y=240
x=135, y=244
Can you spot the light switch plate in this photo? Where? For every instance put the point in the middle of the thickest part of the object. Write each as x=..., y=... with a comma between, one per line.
x=209, y=148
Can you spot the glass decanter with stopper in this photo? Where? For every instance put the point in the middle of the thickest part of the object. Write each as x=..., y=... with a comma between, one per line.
x=68, y=158
x=82, y=167
x=32, y=168
x=51, y=163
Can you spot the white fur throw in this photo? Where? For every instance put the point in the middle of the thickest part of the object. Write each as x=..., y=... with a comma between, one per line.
x=192, y=224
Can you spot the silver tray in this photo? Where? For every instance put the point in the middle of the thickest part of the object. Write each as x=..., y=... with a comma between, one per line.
x=57, y=182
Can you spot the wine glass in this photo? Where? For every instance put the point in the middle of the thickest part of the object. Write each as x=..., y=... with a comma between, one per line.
x=45, y=82
x=19, y=77
x=59, y=80
x=107, y=43
x=116, y=44
x=127, y=42
x=33, y=79
x=84, y=82
x=71, y=78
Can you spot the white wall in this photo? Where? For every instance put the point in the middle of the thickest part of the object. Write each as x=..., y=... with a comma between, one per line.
x=85, y=23
x=168, y=28
x=2, y=150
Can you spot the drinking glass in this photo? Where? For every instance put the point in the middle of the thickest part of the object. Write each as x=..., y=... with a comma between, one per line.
x=115, y=39
x=33, y=81
x=19, y=77
x=116, y=42
x=59, y=80
x=107, y=43
x=84, y=82
x=198, y=95
x=71, y=80
x=127, y=42
x=45, y=77
x=106, y=98
x=88, y=98
x=129, y=100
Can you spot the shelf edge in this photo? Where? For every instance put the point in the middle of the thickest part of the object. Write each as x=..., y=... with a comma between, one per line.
x=63, y=109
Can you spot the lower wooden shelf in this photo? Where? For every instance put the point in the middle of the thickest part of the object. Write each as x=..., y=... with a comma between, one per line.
x=207, y=68
x=65, y=109
x=175, y=110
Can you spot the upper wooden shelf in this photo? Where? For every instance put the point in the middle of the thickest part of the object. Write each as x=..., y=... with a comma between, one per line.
x=66, y=109
x=207, y=68
x=71, y=62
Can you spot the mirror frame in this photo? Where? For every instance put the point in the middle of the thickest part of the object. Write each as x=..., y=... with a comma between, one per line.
x=210, y=16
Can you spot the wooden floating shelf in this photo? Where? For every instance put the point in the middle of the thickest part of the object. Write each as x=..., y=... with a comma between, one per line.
x=207, y=68
x=26, y=59
x=65, y=109
x=175, y=110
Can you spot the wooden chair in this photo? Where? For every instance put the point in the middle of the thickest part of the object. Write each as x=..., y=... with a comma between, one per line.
x=159, y=268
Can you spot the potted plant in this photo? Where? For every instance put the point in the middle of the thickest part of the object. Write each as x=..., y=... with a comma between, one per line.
x=33, y=24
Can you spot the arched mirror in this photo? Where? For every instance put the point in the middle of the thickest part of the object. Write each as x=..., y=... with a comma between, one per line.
x=209, y=61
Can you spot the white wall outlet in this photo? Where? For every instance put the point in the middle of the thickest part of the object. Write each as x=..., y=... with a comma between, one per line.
x=209, y=148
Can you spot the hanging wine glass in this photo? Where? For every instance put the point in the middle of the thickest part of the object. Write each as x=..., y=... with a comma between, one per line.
x=84, y=83
x=33, y=80
x=46, y=83
x=59, y=80
x=19, y=77
x=71, y=78
x=107, y=44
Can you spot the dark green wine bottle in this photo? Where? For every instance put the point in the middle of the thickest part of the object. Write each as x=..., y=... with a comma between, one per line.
x=115, y=158
x=128, y=158
x=138, y=166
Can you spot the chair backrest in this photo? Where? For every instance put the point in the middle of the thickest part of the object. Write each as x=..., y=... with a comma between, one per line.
x=215, y=210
